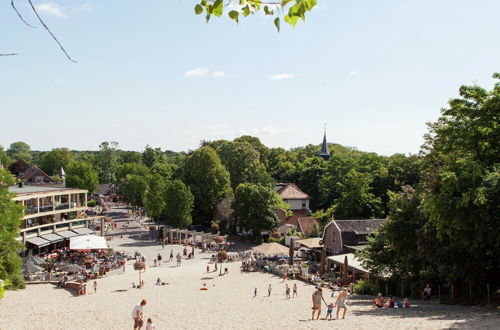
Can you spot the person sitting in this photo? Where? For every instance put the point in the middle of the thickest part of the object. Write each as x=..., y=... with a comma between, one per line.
x=399, y=304
x=158, y=281
x=389, y=303
x=378, y=302
x=406, y=303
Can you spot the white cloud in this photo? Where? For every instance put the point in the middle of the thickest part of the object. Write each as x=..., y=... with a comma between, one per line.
x=223, y=131
x=197, y=72
x=281, y=76
x=355, y=73
x=218, y=74
x=85, y=8
x=59, y=80
x=50, y=8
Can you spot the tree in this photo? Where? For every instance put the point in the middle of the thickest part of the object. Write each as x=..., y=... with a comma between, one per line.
x=152, y=156
x=461, y=174
x=154, y=201
x=4, y=158
x=355, y=200
x=254, y=208
x=81, y=175
x=11, y=214
x=53, y=160
x=310, y=173
x=179, y=202
x=20, y=151
x=107, y=161
x=243, y=163
x=294, y=9
x=208, y=180
x=133, y=187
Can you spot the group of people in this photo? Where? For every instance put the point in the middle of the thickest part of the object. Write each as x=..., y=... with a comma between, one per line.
x=138, y=317
x=389, y=302
x=341, y=303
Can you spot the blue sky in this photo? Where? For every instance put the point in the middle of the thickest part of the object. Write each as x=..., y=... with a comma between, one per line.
x=152, y=72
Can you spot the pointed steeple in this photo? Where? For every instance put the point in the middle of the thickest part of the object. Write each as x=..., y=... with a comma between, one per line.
x=324, y=153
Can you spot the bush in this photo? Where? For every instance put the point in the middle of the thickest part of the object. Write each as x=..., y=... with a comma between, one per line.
x=15, y=281
x=280, y=240
x=91, y=203
x=214, y=227
x=365, y=287
x=2, y=290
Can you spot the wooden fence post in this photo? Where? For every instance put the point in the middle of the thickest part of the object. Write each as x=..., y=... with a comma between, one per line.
x=488, y=292
x=439, y=293
x=470, y=291
x=452, y=294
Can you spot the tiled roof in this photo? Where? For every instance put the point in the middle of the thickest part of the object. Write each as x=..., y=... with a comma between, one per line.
x=306, y=225
x=32, y=171
x=290, y=191
x=359, y=227
x=294, y=218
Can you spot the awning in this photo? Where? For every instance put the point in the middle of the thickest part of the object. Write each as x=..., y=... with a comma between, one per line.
x=67, y=233
x=353, y=263
x=53, y=238
x=38, y=241
x=87, y=242
x=269, y=249
x=311, y=243
x=83, y=231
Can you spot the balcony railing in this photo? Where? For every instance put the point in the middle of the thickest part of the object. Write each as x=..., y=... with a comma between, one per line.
x=62, y=206
x=46, y=208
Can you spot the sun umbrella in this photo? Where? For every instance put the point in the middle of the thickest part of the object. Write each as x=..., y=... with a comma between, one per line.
x=322, y=263
x=269, y=249
x=346, y=271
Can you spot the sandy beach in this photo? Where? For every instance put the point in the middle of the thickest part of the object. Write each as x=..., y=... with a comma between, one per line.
x=227, y=304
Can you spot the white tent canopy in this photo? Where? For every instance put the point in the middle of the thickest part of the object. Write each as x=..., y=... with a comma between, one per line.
x=87, y=242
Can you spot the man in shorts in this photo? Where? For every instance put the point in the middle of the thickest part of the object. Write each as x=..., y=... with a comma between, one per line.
x=317, y=296
x=137, y=315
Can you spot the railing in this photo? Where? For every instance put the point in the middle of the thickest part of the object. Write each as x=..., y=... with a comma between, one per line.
x=46, y=208
x=62, y=206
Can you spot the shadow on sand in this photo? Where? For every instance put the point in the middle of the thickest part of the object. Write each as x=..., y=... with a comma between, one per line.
x=465, y=317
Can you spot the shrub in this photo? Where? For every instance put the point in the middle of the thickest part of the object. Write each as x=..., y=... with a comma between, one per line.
x=2, y=290
x=214, y=227
x=91, y=203
x=365, y=287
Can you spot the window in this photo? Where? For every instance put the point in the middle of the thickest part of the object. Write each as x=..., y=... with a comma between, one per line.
x=304, y=204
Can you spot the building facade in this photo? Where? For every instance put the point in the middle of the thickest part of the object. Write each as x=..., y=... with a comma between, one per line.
x=51, y=213
x=344, y=236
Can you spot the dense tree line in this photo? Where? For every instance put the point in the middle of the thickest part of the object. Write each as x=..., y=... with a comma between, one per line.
x=445, y=229
x=443, y=205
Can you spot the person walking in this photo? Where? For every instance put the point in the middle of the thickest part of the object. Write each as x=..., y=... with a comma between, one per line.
x=269, y=290
x=159, y=259
x=317, y=297
x=426, y=294
x=295, y=290
x=287, y=292
x=179, y=259
x=95, y=286
x=171, y=255
x=255, y=293
x=341, y=302
x=137, y=315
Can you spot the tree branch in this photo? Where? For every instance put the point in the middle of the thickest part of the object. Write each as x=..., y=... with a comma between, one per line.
x=19, y=14
x=10, y=54
x=50, y=32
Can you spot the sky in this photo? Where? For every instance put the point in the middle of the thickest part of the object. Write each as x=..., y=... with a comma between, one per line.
x=151, y=72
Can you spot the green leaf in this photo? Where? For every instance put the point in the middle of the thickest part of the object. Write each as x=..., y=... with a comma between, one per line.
x=292, y=20
x=246, y=11
x=277, y=23
x=234, y=15
x=207, y=17
x=198, y=9
x=218, y=8
x=203, y=3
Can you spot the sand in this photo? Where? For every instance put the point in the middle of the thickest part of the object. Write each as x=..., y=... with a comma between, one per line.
x=227, y=304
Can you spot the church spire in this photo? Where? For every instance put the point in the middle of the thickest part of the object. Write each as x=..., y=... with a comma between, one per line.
x=324, y=148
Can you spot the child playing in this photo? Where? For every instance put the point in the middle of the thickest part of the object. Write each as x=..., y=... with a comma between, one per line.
x=329, y=311
x=150, y=325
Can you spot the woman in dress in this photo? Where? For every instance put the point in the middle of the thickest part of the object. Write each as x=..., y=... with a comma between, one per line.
x=341, y=302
